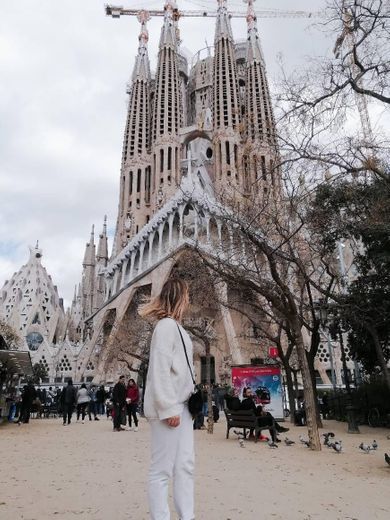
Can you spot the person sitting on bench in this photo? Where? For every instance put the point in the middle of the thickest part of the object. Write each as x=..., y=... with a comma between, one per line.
x=264, y=418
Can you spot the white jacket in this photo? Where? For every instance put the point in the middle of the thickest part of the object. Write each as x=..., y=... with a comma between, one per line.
x=82, y=396
x=168, y=383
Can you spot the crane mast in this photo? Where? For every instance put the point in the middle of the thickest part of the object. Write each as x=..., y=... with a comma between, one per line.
x=347, y=38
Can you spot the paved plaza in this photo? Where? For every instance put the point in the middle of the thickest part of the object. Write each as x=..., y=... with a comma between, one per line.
x=87, y=472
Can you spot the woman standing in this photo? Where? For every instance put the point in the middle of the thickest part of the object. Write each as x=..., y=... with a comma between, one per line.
x=132, y=398
x=168, y=387
x=82, y=401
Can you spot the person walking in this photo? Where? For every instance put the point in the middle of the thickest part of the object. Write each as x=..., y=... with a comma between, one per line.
x=100, y=400
x=28, y=395
x=132, y=398
x=168, y=388
x=119, y=402
x=92, y=406
x=68, y=401
x=82, y=402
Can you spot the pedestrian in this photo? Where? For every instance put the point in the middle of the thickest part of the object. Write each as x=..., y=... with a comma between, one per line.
x=132, y=398
x=168, y=387
x=119, y=403
x=100, y=400
x=221, y=397
x=28, y=395
x=68, y=401
x=92, y=406
x=82, y=402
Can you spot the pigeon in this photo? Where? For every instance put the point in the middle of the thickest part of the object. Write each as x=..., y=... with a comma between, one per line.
x=337, y=446
x=288, y=442
x=365, y=448
x=387, y=459
x=272, y=444
x=326, y=437
x=374, y=445
x=304, y=441
x=241, y=443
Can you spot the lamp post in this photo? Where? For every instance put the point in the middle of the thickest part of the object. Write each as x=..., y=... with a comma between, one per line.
x=349, y=406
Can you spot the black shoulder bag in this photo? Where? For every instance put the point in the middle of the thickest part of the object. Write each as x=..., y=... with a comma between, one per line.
x=195, y=401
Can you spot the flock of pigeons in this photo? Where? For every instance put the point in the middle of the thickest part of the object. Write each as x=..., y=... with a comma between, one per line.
x=329, y=442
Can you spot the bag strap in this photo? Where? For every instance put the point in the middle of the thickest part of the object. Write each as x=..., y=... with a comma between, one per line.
x=185, y=352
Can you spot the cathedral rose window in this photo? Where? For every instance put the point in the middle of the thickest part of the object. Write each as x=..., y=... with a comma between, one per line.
x=34, y=339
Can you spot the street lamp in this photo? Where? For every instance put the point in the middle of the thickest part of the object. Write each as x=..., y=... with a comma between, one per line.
x=335, y=332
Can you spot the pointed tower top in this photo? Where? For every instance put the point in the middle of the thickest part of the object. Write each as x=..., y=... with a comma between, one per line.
x=223, y=27
x=102, y=250
x=89, y=255
x=168, y=32
x=35, y=253
x=141, y=67
x=254, y=52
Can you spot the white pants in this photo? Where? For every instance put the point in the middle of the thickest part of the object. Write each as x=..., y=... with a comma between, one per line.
x=172, y=456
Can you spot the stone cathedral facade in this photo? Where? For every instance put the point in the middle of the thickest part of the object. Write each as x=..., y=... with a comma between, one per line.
x=194, y=130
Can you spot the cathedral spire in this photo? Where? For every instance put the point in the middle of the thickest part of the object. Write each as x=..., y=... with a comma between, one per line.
x=254, y=52
x=226, y=116
x=223, y=27
x=167, y=110
x=89, y=255
x=135, y=184
x=141, y=69
x=259, y=163
x=102, y=250
x=168, y=32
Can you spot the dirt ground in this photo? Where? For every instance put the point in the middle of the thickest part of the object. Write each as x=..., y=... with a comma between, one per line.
x=85, y=471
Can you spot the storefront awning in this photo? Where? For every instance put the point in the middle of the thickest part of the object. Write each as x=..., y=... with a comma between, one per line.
x=16, y=361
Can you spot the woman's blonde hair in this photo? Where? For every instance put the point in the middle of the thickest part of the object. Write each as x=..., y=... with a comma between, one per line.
x=171, y=302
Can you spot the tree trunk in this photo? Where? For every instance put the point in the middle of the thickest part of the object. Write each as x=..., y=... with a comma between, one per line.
x=310, y=360
x=308, y=393
x=291, y=392
x=379, y=354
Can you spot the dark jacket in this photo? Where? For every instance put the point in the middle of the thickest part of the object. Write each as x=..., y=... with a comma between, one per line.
x=29, y=394
x=69, y=395
x=100, y=395
x=232, y=403
x=119, y=394
x=248, y=404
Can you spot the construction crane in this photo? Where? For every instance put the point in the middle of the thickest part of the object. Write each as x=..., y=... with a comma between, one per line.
x=118, y=11
x=347, y=38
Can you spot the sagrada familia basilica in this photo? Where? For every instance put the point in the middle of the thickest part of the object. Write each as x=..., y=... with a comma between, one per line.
x=193, y=130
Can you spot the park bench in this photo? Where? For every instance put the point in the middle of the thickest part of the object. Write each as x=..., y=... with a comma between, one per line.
x=244, y=419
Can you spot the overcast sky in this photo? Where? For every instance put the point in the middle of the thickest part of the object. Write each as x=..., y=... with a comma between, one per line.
x=64, y=68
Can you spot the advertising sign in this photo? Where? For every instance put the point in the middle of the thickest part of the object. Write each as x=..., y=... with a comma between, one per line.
x=266, y=384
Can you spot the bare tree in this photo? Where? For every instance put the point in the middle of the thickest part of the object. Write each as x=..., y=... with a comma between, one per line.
x=319, y=133
x=10, y=336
